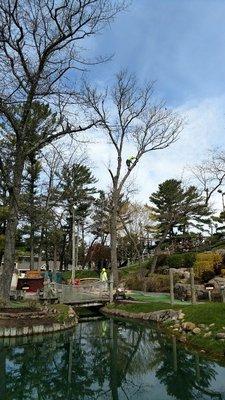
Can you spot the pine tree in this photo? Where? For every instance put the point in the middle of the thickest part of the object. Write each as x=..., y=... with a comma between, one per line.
x=174, y=206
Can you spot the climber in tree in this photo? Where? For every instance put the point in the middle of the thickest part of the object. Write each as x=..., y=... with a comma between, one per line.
x=130, y=161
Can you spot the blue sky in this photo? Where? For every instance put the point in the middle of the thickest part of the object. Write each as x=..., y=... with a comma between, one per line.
x=181, y=45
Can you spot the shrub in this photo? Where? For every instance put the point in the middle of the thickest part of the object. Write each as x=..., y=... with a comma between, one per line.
x=206, y=263
x=80, y=274
x=180, y=260
x=162, y=260
x=189, y=259
x=134, y=282
x=176, y=261
x=154, y=283
x=207, y=276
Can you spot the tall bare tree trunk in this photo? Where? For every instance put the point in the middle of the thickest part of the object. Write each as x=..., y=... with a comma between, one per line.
x=10, y=235
x=32, y=246
x=113, y=238
x=32, y=209
x=157, y=250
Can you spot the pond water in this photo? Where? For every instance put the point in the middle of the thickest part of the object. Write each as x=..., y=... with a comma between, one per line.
x=106, y=359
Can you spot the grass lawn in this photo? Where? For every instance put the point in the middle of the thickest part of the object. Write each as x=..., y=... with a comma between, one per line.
x=205, y=313
x=157, y=297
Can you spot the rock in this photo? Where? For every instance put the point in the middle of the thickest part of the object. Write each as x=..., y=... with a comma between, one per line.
x=164, y=315
x=182, y=291
x=211, y=325
x=182, y=339
x=176, y=326
x=208, y=334
x=220, y=335
x=202, y=326
x=196, y=331
x=71, y=312
x=202, y=351
x=223, y=328
x=181, y=315
x=182, y=272
x=217, y=282
x=188, y=326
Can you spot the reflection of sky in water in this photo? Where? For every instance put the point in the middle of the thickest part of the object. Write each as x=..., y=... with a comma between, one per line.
x=107, y=359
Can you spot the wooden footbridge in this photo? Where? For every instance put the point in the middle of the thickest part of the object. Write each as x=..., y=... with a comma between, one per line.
x=89, y=293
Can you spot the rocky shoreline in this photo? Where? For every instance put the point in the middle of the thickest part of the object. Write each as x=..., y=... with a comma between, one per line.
x=173, y=323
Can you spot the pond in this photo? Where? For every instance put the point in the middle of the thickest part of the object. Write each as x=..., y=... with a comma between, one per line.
x=106, y=359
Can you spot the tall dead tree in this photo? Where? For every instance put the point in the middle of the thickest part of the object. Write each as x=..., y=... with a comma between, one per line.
x=129, y=116
x=210, y=174
x=40, y=43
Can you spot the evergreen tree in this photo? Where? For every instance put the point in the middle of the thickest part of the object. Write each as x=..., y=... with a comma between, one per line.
x=174, y=206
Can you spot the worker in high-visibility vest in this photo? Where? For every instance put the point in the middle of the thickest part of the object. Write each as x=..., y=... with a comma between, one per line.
x=104, y=278
x=130, y=162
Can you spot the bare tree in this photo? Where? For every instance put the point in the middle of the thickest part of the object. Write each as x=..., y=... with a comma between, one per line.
x=129, y=116
x=210, y=173
x=40, y=42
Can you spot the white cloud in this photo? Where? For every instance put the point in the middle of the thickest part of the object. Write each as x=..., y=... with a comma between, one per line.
x=204, y=129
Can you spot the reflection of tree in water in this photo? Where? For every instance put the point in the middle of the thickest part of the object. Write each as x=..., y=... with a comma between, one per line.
x=101, y=360
x=186, y=377
x=40, y=371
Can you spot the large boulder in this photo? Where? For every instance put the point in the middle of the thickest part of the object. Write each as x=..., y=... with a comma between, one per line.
x=182, y=291
x=165, y=315
x=217, y=282
x=183, y=273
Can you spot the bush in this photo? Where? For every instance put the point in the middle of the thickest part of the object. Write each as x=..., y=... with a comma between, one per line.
x=162, y=260
x=189, y=259
x=177, y=260
x=154, y=283
x=207, y=263
x=207, y=276
x=134, y=282
x=80, y=274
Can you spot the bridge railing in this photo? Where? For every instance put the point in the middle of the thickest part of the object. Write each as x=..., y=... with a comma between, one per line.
x=92, y=291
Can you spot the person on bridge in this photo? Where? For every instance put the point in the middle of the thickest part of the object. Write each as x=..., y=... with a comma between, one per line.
x=104, y=278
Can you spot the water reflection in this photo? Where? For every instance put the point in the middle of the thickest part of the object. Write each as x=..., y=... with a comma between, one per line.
x=106, y=359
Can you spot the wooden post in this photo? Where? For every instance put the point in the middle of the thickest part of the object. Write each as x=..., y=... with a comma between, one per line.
x=171, y=286
x=210, y=295
x=111, y=288
x=223, y=294
x=193, y=296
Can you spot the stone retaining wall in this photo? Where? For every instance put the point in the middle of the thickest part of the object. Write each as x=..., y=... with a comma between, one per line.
x=35, y=329
x=157, y=316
